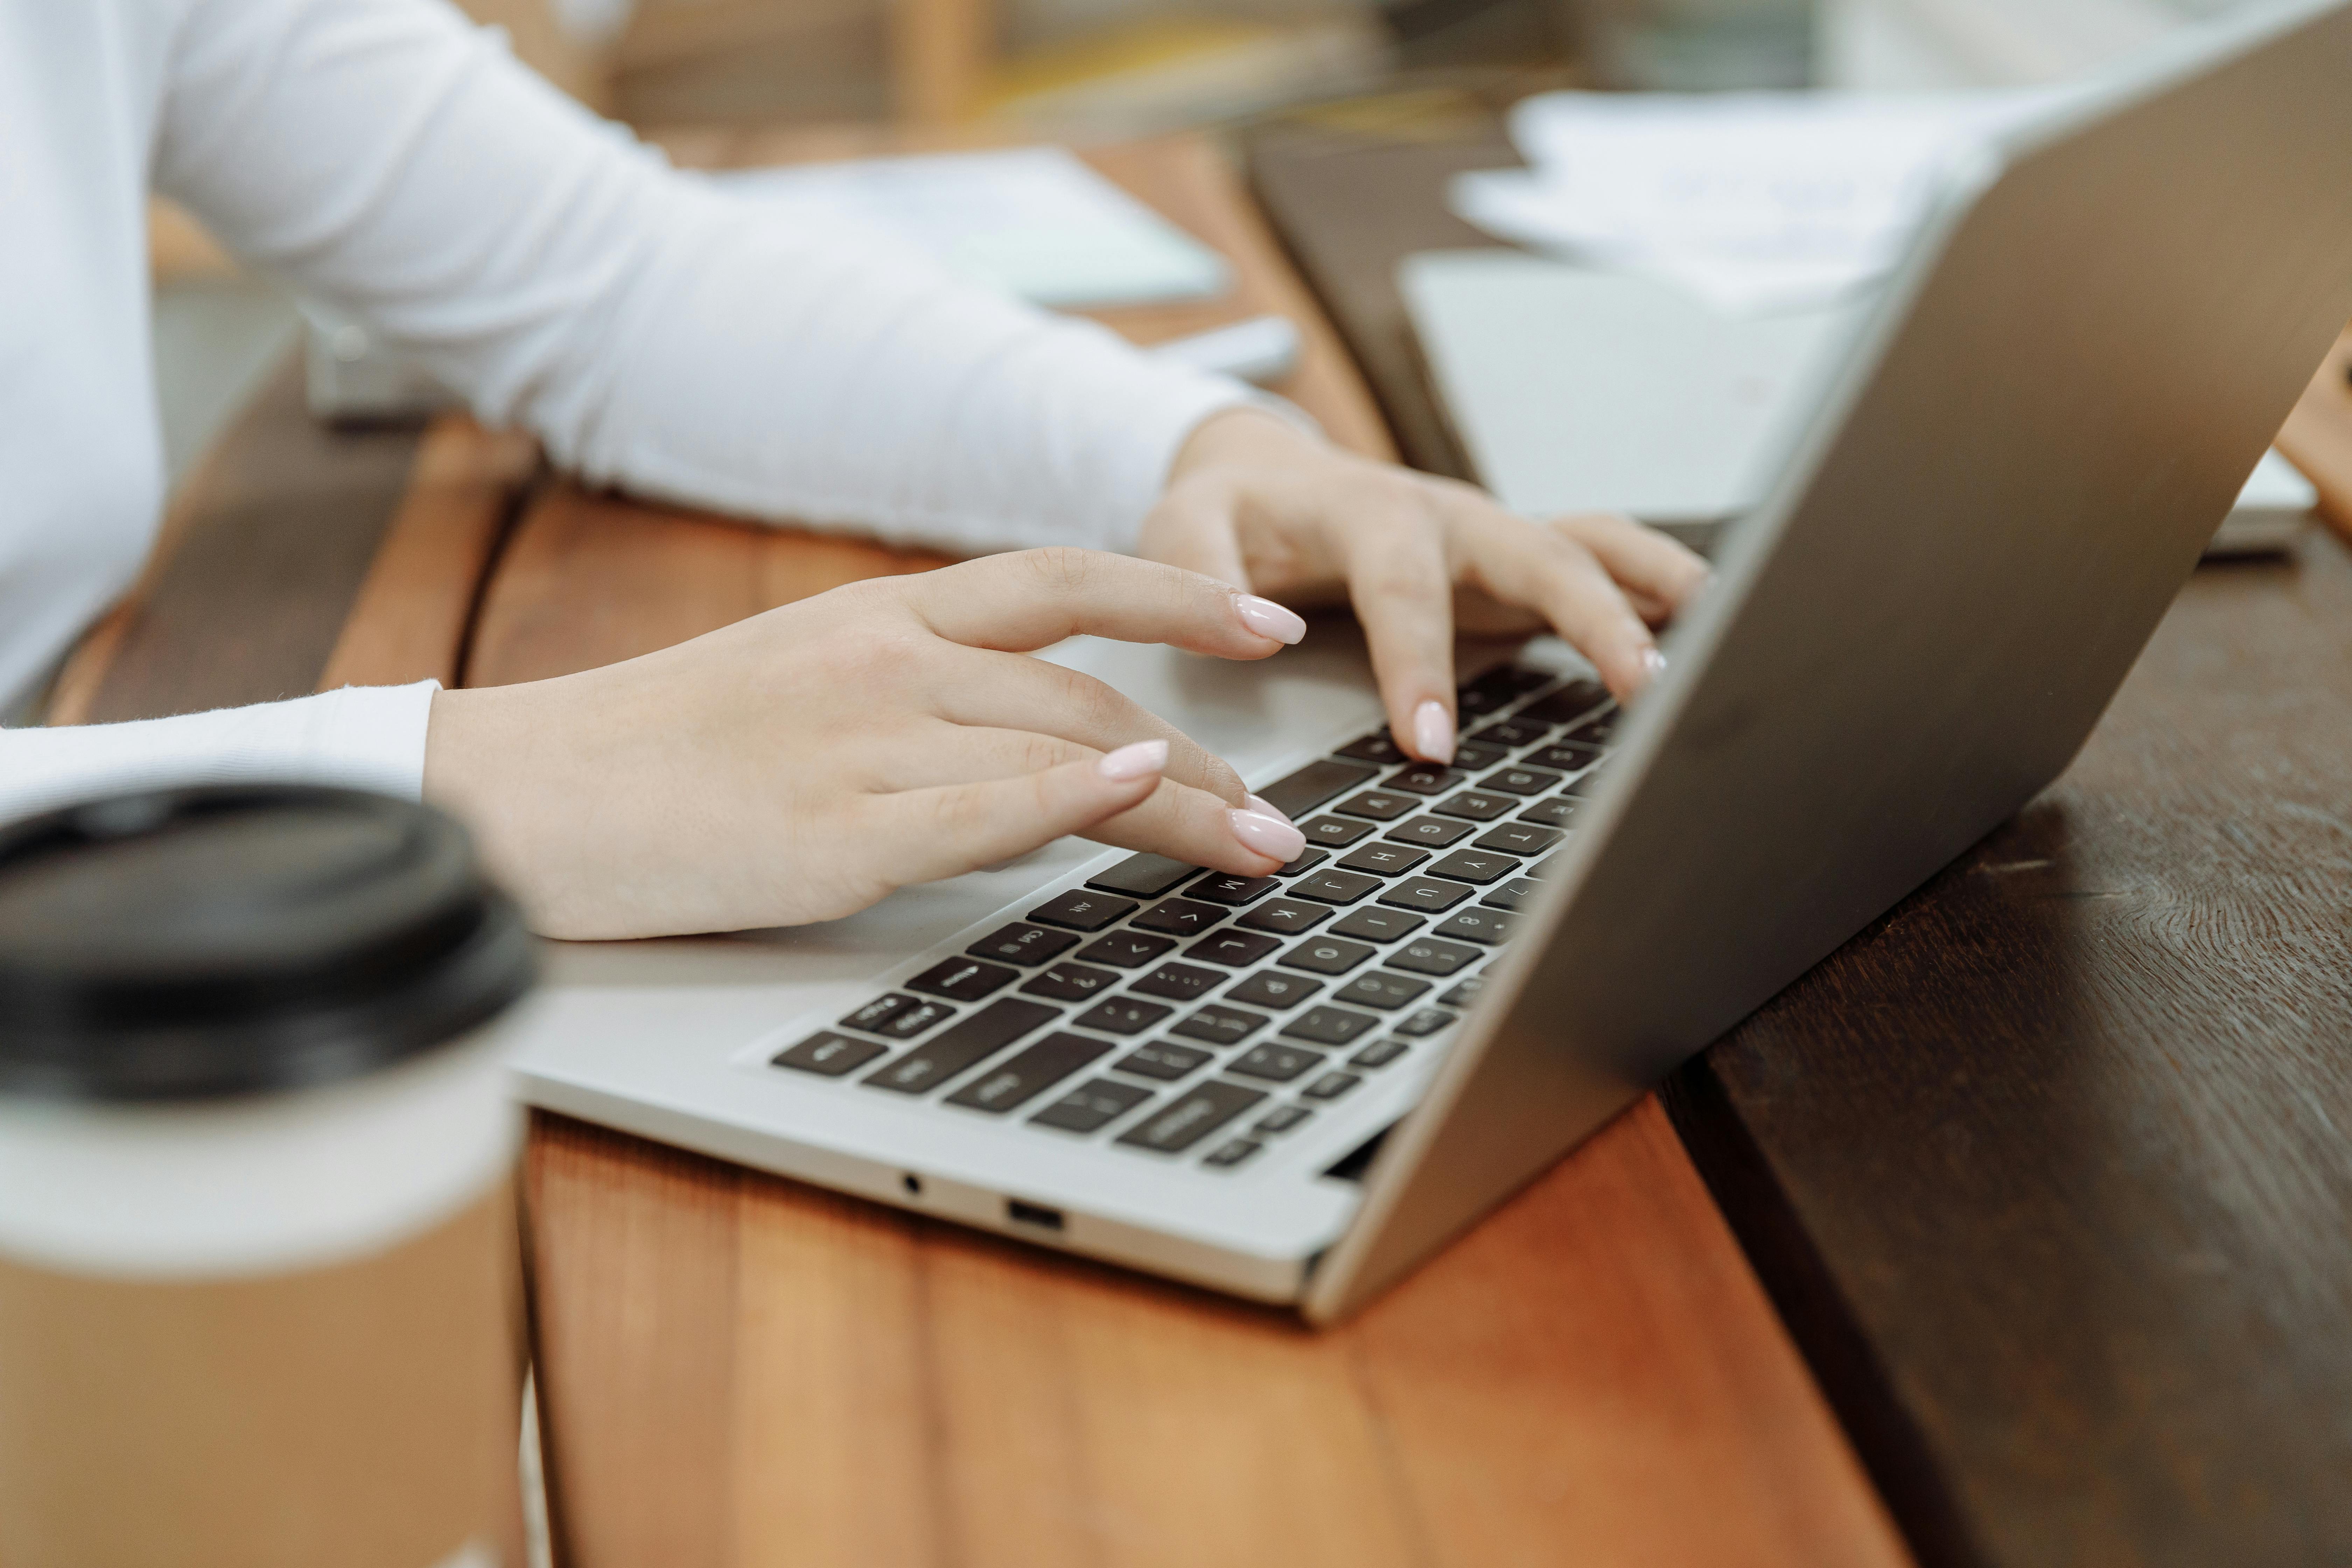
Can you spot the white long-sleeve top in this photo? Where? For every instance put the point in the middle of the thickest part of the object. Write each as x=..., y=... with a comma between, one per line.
x=391, y=160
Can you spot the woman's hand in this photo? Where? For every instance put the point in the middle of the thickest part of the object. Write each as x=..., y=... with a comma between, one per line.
x=1255, y=501
x=801, y=765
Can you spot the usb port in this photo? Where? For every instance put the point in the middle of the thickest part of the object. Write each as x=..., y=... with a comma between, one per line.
x=1037, y=1214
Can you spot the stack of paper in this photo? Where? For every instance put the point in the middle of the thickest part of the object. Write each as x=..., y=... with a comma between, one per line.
x=1033, y=221
x=1751, y=200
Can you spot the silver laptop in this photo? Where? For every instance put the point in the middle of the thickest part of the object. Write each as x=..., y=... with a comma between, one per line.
x=1296, y=1088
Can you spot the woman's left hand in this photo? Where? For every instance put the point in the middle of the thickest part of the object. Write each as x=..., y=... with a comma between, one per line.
x=1257, y=502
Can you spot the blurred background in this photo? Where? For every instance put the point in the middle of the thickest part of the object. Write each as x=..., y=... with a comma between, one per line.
x=1096, y=70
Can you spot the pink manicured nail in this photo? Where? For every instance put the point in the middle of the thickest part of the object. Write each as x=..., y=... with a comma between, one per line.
x=1432, y=731
x=1141, y=760
x=1265, y=808
x=1266, y=836
x=1268, y=619
x=1654, y=663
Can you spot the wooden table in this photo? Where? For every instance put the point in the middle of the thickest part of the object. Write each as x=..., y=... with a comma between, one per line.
x=1960, y=1152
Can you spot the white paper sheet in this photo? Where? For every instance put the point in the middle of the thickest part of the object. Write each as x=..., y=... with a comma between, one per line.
x=1033, y=221
x=1754, y=202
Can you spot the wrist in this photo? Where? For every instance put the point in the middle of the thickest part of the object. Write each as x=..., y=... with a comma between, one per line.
x=1241, y=434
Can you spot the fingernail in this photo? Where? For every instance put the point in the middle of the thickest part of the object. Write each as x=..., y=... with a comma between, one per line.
x=1268, y=619
x=1266, y=836
x=1141, y=760
x=1265, y=808
x=1654, y=663
x=1432, y=731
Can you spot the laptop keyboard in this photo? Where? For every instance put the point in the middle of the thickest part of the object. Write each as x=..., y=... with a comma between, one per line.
x=1179, y=1013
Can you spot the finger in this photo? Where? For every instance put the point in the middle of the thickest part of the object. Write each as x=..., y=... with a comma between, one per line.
x=1546, y=570
x=1036, y=597
x=1011, y=692
x=1647, y=563
x=966, y=826
x=1403, y=586
x=927, y=833
x=1195, y=531
x=1176, y=819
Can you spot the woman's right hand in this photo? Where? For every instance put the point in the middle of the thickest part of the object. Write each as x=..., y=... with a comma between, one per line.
x=802, y=763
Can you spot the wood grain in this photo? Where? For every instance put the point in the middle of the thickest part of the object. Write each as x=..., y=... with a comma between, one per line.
x=2048, y=1168
x=739, y=1370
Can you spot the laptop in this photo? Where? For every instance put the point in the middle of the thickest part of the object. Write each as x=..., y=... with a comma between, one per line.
x=1570, y=388
x=1296, y=1088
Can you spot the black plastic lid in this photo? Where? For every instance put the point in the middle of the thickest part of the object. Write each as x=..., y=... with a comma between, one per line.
x=188, y=943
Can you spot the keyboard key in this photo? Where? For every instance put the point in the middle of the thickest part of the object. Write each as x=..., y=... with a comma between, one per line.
x=1603, y=729
x=1512, y=895
x=1311, y=786
x=1123, y=1015
x=1380, y=1053
x=905, y=1025
x=1269, y=989
x=962, y=980
x=1230, y=891
x=1082, y=910
x=1424, y=778
x=1308, y=860
x=1335, y=887
x=1428, y=832
x=1145, y=875
x=828, y=1054
x=1286, y=915
x=961, y=1045
x=1519, y=781
x=878, y=1012
x=1333, y=832
x=1475, y=865
x=1177, y=1126
x=1071, y=982
x=1276, y=1062
x=1164, y=1060
x=1376, y=747
x=1569, y=756
x=1233, y=949
x=1489, y=926
x=1029, y=1073
x=1179, y=917
x=1282, y=1119
x=1329, y=1025
x=1222, y=1026
x=1566, y=705
x=1477, y=805
x=1097, y=1103
x=1324, y=955
x=1506, y=682
x=1585, y=783
x=1425, y=895
x=1022, y=943
x=1331, y=1085
x=1462, y=996
x=1232, y=1152
x=1380, y=804
x=1378, y=988
x=1552, y=813
x=1521, y=839
x=1430, y=956
x=1512, y=733
x=1373, y=923
x=1474, y=755
x=1126, y=949
x=1544, y=868
x=1180, y=981
x=1428, y=1021
x=1385, y=859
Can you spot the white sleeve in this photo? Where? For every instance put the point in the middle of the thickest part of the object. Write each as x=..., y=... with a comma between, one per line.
x=364, y=737
x=657, y=332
